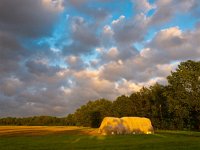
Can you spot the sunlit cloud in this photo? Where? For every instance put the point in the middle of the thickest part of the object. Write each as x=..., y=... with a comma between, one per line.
x=56, y=55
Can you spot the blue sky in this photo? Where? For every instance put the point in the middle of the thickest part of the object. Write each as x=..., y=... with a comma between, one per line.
x=58, y=54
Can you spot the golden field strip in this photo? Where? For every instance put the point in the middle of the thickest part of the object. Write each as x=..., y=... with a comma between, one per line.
x=44, y=130
x=72, y=137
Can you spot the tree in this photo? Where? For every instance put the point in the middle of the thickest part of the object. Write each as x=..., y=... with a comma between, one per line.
x=123, y=106
x=84, y=116
x=70, y=120
x=142, y=102
x=159, y=106
x=96, y=119
x=183, y=93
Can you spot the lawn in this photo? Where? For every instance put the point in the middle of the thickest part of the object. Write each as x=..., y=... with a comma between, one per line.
x=67, y=138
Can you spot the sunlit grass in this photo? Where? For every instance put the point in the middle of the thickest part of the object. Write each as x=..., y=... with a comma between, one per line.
x=67, y=138
x=44, y=130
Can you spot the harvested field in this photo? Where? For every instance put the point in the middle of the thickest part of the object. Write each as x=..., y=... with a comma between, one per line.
x=72, y=138
x=45, y=130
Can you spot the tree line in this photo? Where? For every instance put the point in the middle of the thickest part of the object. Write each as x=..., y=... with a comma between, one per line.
x=172, y=106
x=35, y=121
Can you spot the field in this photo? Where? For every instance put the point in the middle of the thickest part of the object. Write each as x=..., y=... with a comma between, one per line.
x=69, y=138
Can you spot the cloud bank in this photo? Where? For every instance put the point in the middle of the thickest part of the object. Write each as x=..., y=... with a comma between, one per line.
x=55, y=55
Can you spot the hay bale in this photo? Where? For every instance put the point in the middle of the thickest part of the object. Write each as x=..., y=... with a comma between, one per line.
x=111, y=125
x=125, y=125
x=137, y=125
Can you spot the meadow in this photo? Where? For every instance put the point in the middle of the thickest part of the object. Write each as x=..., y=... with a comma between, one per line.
x=70, y=138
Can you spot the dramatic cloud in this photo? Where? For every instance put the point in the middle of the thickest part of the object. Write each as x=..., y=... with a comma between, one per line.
x=30, y=18
x=168, y=9
x=55, y=55
x=11, y=52
x=173, y=45
x=83, y=37
x=75, y=63
x=127, y=32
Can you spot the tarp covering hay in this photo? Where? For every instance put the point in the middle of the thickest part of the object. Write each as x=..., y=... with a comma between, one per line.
x=125, y=125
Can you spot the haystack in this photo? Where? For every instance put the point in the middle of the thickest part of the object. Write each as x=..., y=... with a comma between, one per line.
x=111, y=125
x=125, y=125
x=136, y=125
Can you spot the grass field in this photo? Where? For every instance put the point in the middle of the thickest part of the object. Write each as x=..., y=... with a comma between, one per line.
x=69, y=138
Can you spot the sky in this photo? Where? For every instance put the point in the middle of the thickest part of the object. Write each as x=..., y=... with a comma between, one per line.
x=56, y=55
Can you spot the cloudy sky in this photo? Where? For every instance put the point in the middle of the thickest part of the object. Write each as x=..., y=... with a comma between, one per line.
x=55, y=55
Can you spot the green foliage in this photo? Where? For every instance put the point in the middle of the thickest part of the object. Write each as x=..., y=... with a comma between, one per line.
x=96, y=119
x=183, y=93
x=84, y=116
x=34, y=121
x=123, y=106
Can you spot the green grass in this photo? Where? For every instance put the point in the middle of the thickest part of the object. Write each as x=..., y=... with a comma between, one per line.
x=161, y=140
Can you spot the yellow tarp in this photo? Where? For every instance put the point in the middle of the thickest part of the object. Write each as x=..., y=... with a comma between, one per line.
x=125, y=125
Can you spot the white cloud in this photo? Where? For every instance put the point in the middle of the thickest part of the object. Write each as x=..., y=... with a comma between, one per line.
x=100, y=60
x=143, y=5
x=119, y=20
x=108, y=30
x=54, y=5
